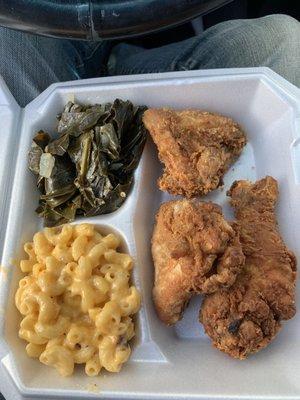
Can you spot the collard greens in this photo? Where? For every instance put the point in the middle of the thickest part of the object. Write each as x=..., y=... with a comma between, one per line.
x=88, y=169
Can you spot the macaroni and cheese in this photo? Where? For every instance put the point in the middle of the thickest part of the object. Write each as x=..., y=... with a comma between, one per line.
x=76, y=299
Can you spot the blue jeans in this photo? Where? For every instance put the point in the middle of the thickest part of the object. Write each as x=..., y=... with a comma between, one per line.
x=31, y=63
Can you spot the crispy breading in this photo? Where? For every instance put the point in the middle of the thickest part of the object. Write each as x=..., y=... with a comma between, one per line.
x=196, y=148
x=195, y=250
x=245, y=318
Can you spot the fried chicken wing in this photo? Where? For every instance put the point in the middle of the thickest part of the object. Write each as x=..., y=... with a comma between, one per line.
x=245, y=318
x=196, y=147
x=195, y=250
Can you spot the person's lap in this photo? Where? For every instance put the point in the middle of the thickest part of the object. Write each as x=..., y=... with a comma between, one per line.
x=30, y=63
x=272, y=41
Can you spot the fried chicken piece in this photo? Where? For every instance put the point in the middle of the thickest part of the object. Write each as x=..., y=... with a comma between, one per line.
x=194, y=251
x=196, y=147
x=245, y=318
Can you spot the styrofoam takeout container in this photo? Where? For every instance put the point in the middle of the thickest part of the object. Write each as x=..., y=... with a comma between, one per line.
x=176, y=362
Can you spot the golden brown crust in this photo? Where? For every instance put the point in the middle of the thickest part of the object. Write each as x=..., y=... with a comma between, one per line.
x=194, y=251
x=196, y=148
x=245, y=318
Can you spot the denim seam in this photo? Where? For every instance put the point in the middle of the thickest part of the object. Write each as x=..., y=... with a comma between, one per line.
x=186, y=54
x=87, y=58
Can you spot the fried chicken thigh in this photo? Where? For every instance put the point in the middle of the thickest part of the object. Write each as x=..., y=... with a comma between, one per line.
x=245, y=318
x=196, y=147
x=194, y=251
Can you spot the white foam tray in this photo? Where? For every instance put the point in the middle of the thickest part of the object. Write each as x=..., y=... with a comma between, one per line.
x=177, y=362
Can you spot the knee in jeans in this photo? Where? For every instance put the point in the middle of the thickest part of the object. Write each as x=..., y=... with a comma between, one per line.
x=265, y=37
x=285, y=28
x=243, y=43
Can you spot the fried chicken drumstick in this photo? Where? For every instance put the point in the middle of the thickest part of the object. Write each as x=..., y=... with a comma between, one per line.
x=196, y=147
x=195, y=250
x=245, y=318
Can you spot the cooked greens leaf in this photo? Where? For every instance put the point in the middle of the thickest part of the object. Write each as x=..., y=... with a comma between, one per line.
x=38, y=145
x=109, y=141
x=59, y=146
x=75, y=119
x=123, y=112
x=88, y=169
x=62, y=175
x=42, y=139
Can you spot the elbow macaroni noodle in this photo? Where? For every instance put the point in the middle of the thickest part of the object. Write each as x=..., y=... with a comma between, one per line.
x=76, y=300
